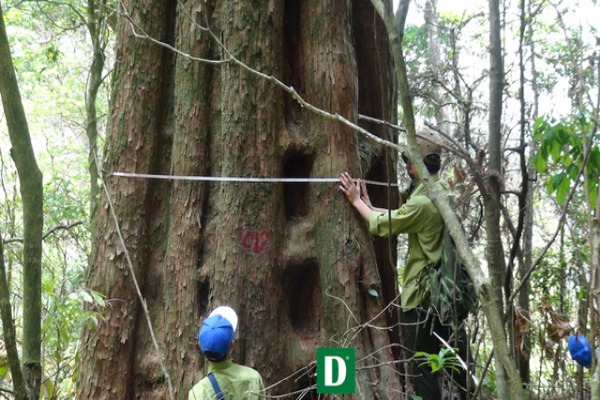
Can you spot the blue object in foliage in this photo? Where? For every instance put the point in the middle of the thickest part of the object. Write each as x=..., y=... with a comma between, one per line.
x=580, y=350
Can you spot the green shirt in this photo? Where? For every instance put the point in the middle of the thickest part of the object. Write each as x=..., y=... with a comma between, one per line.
x=237, y=382
x=420, y=218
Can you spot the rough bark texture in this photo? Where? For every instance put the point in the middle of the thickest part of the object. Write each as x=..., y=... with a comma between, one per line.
x=292, y=259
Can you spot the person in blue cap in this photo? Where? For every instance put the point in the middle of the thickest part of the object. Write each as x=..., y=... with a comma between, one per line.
x=226, y=380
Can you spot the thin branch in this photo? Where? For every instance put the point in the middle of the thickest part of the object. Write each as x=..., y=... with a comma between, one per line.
x=48, y=233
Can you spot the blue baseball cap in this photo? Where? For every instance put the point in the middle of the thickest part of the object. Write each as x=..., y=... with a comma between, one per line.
x=215, y=337
x=580, y=350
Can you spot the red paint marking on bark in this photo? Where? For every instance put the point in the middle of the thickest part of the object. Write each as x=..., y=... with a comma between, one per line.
x=258, y=242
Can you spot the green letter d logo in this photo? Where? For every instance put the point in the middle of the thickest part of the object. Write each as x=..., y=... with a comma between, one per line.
x=335, y=370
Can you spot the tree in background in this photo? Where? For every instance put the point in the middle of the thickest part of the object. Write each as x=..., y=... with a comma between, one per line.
x=97, y=24
x=463, y=96
x=52, y=93
x=30, y=178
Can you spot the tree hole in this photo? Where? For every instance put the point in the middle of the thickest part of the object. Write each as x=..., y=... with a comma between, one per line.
x=302, y=287
x=296, y=194
x=202, y=296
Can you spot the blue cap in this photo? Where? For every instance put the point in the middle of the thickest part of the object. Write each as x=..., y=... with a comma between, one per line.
x=580, y=350
x=215, y=337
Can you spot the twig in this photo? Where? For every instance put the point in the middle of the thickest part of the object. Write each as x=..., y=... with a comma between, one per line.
x=48, y=233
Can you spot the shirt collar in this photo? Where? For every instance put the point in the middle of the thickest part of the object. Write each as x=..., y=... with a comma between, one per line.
x=219, y=366
x=416, y=182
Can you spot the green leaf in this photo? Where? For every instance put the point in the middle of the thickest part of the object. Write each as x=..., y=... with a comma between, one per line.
x=3, y=366
x=539, y=162
x=556, y=151
x=573, y=171
x=539, y=126
x=47, y=390
x=555, y=182
x=563, y=191
x=563, y=135
x=98, y=298
x=594, y=160
x=593, y=195
x=86, y=297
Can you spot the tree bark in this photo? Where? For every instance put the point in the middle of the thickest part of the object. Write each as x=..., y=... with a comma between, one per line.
x=434, y=62
x=595, y=263
x=9, y=333
x=492, y=196
x=520, y=314
x=292, y=259
x=595, y=268
x=135, y=140
x=30, y=180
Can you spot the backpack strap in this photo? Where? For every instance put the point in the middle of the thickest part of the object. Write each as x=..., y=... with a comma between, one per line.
x=215, y=385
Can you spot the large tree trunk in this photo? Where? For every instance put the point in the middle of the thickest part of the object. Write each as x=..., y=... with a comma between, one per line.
x=292, y=259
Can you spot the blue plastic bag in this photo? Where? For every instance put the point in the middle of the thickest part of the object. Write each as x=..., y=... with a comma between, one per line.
x=580, y=350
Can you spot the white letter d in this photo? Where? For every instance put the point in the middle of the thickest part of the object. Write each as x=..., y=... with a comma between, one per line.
x=329, y=371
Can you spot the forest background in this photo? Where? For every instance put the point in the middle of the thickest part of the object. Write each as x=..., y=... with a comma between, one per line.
x=549, y=164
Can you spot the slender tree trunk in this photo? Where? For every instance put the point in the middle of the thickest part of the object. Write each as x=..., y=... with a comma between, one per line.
x=595, y=260
x=434, y=61
x=524, y=351
x=97, y=27
x=523, y=299
x=292, y=259
x=520, y=315
x=595, y=257
x=492, y=198
x=506, y=382
x=9, y=333
x=30, y=180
